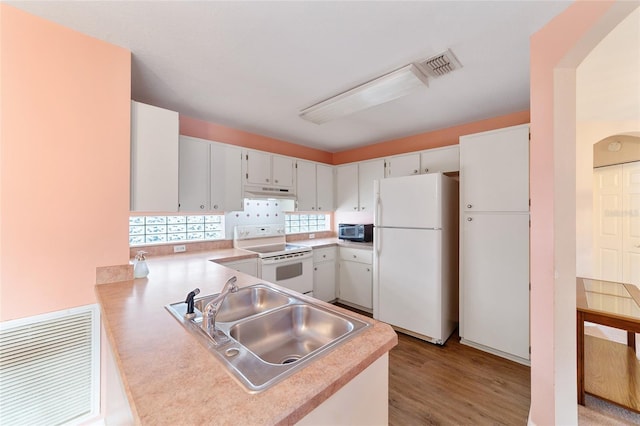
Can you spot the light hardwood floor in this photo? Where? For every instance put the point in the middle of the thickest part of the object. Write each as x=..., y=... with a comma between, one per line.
x=454, y=385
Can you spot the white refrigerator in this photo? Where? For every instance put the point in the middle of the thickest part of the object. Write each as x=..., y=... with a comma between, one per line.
x=415, y=281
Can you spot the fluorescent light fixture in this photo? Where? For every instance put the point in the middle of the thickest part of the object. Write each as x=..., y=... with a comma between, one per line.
x=383, y=89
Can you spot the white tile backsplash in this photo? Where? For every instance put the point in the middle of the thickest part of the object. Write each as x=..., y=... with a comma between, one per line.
x=258, y=212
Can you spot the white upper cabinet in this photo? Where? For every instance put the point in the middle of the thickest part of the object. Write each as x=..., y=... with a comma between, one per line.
x=347, y=187
x=226, y=177
x=314, y=186
x=210, y=176
x=268, y=169
x=306, y=181
x=282, y=171
x=324, y=186
x=194, y=174
x=154, y=158
x=402, y=165
x=354, y=185
x=434, y=160
x=368, y=171
x=494, y=169
x=442, y=160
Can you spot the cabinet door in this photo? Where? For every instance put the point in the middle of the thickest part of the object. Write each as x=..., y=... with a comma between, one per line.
x=440, y=160
x=282, y=171
x=368, y=171
x=324, y=187
x=154, y=158
x=495, y=281
x=306, y=185
x=347, y=188
x=226, y=177
x=494, y=170
x=246, y=266
x=403, y=165
x=324, y=281
x=194, y=174
x=258, y=168
x=356, y=283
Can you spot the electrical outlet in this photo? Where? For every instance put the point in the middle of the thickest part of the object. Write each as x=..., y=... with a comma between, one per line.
x=312, y=236
x=179, y=249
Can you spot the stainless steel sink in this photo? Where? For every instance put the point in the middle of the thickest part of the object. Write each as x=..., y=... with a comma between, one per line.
x=245, y=302
x=269, y=334
x=289, y=334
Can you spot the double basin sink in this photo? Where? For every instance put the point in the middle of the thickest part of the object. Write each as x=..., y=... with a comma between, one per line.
x=263, y=334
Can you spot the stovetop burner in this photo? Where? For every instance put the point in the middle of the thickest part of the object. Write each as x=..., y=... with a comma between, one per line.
x=266, y=240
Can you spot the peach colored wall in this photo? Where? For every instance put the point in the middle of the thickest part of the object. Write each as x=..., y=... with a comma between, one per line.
x=64, y=163
x=428, y=140
x=216, y=132
x=561, y=37
x=443, y=137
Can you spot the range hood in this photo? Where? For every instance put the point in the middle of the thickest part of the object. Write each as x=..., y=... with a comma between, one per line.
x=256, y=191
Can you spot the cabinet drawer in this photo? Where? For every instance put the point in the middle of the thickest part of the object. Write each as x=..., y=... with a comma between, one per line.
x=324, y=254
x=356, y=255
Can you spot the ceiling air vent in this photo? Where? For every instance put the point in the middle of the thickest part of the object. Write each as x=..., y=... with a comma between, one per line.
x=440, y=64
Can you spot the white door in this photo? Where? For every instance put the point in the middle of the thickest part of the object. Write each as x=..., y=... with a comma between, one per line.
x=226, y=177
x=495, y=282
x=368, y=171
x=324, y=281
x=258, y=169
x=306, y=185
x=403, y=165
x=608, y=219
x=282, y=171
x=356, y=283
x=408, y=280
x=494, y=170
x=324, y=187
x=347, y=188
x=631, y=223
x=193, y=172
x=441, y=160
x=409, y=202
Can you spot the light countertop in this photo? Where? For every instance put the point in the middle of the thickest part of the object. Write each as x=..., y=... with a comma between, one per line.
x=170, y=378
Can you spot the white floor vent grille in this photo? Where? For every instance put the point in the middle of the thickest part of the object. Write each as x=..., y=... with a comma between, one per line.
x=49, y=368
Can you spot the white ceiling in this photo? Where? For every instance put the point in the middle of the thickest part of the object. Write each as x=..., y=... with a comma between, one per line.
x=254, y=65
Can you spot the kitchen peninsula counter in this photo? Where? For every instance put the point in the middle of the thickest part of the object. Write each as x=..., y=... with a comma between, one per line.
x=170, y=378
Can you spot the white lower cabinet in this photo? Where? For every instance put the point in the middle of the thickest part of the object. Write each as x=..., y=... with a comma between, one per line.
x=356, y=277
x=324, y=274
x=246, y=266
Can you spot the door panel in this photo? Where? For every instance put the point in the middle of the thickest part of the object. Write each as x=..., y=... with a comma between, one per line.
x=409, y=279
x=631, y=223
x=495, y=281
x=608, y=222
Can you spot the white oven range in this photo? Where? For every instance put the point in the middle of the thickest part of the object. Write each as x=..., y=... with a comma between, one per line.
x=288, y=265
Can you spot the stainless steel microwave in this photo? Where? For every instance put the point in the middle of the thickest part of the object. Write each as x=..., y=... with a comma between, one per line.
x=355, y=232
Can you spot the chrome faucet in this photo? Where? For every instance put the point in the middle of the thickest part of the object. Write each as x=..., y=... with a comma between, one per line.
x=211, y=310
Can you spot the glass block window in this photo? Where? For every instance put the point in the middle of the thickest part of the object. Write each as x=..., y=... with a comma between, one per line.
x=298, y=223
x=147, y=230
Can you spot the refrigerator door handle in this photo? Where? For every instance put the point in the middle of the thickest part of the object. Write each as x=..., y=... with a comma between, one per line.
x=377, y=240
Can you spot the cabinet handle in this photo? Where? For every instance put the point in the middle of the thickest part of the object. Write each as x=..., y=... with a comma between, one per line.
x=276, y=180
x=319, y=208
x=215, y=206
x=324, y=255
x=202, y=206
x=354, y=256
x=315, y=269
x=426, y=170
x=415, y=172
x=355, y=208
x=469, y=219
x=362, y=208
x=267, y=180
x=313, y=208
x=469, y=206
x=368, y=270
